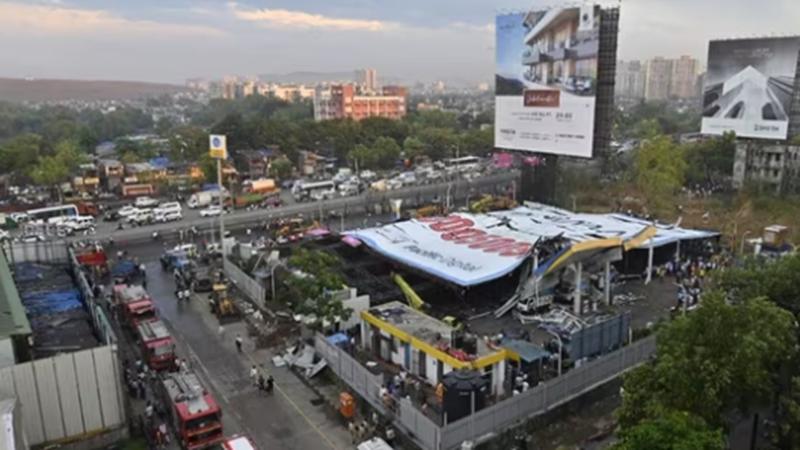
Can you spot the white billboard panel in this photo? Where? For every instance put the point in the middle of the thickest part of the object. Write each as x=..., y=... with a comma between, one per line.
x=546, y=80
x=749, y=85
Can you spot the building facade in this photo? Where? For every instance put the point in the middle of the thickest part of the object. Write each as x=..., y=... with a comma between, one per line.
x=774, y=166
x=683, y=81
x=368, y=78
x=657, y=79
x=345, y=101
x=630, y=79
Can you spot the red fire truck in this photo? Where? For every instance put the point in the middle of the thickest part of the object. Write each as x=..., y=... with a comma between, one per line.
x=194, y=414
x=134, y=304
x=158, y=347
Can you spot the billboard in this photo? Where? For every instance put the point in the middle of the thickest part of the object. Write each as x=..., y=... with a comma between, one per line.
x=546, y=80
x=749, y=85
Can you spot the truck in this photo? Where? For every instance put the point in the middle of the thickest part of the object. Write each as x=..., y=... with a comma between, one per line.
x=137, y=190
x=193, y=413
x=261, y=186
x=269, y=199
x=157, y=345
x=134, y=304
x=204, y=198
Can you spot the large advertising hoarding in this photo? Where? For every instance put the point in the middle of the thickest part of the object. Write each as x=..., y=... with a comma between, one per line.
x=748, y=87
x=546, y=80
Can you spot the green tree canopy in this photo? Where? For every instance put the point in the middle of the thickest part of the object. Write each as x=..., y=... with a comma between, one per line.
x=672, y=431
x=19, y=155
x=56, y=169
x=720, y=358
x=659, y=170
x=281, y=169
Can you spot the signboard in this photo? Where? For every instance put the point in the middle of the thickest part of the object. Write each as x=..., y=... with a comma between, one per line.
x=749, y=85
x=546, y=80
x=217, y=146
x=470, y=249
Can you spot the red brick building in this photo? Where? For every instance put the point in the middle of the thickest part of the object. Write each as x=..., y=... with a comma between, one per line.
x=345, y=101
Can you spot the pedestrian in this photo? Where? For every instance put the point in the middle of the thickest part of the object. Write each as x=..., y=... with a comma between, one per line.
x=239, y=343
x=262, y=383
x=270, y=384
x=177, y=364
x=184, y=366
x=221, y=331
x=254, y=375
x=142, y=390
x=351, y=427
x=148, y=412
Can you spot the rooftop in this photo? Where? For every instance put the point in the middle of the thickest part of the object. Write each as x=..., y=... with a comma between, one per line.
x=13, y=321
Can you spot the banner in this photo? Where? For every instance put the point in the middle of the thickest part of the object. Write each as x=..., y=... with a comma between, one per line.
x=748, y=87
x=546, y=80
x=217, y=146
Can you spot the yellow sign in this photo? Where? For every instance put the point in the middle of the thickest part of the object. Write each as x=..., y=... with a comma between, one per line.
x=217, y=147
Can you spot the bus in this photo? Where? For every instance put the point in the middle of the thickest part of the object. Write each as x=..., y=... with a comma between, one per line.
x=462, y=164
x=52, y=215
x=317, y=190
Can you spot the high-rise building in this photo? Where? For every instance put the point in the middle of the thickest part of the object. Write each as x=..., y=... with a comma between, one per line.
x=368, y=78
x=345, y=101
x=658, y=79
x=683, y=83
x=630, y=79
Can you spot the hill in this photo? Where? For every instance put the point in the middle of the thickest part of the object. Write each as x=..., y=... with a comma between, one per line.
x=41, y=90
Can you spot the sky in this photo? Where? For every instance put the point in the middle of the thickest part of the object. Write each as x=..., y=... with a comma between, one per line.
x=425, y=40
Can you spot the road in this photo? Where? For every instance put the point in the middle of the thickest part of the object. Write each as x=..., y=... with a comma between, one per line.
x=461, y=190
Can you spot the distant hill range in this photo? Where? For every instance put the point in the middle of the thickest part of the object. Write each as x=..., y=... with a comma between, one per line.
x=42, y=90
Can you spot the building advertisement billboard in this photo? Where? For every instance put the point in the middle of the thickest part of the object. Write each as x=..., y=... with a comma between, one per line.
x=749, y=85
x=546, y=80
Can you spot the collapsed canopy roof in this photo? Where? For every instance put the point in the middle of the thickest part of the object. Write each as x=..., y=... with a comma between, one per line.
x=470, y=249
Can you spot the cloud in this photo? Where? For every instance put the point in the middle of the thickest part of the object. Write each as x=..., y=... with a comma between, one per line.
x=284, y=18
x=55, y=19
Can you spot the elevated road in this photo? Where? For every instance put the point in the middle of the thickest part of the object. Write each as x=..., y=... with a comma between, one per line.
x=458, y=191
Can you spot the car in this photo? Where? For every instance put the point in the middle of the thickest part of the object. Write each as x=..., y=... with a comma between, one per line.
x=168, y=216
x=145, y=202
x=203, y=284
x=168, y=207
x=30, y=238
x=126, y=211
x=212, y=211
x=368, y=175
x=19, y=217
x=141, y=217
x=111, y=216
x=4, y=235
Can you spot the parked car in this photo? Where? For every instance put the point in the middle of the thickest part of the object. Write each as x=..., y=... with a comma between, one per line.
x=145, y=202
x=111, y=216
x=368, y=175
x=169, y=207
x=167, y=216
x=142, y=217
x=212, y=211
x=126, y=211
x=29, y=238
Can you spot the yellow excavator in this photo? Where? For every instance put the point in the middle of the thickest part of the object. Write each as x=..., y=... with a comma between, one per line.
x=221, y=303
x=416, y=302
x=489, y=203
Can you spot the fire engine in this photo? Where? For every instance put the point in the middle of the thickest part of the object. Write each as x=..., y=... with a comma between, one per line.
x=134, y=303
x=158, y=347
x=194, y=414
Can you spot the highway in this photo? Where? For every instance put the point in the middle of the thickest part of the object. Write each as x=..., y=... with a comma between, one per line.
x=459, y=191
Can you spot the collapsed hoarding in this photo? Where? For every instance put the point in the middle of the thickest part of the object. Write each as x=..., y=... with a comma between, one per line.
x=470, y=249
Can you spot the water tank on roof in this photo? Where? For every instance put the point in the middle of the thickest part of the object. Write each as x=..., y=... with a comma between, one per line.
x=459, y=388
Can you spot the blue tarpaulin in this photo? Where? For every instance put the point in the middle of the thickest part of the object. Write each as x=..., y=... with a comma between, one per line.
x=123, y=269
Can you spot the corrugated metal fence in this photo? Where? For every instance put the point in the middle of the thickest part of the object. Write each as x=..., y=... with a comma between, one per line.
x=99, y=317
x=500, y=416
x=67, y=396
x=252, y=288
x=42, y=252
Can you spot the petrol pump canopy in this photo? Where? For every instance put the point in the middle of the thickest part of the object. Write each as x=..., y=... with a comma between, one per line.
x=470, y=249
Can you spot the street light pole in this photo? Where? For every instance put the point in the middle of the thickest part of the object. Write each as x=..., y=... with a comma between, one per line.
x=560, y=349
x=221, y=208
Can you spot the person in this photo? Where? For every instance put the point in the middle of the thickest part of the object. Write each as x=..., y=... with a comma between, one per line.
x=239, y=343
x=351, y=427
x=254, y=375
x=221, y=331
x=184, y=366
x=270, y=384
x=162, y=432
x=262, y=383
x=143, y=270
x=148, y=411
x=177, y=363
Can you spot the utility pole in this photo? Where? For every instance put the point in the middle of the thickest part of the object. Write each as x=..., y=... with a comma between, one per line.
x=218, y=149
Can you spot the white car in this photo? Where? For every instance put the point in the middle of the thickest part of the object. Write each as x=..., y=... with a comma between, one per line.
x=141, y=217
x=168, y=216
x=212, y=211
x=368, y=175
x=29, y=238
x=19, y=217
x=169, y=207
x=127, y=211
x=145, y=202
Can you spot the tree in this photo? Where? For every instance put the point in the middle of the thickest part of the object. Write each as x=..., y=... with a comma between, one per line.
x=439, y=142
x=413, y=147
x=387, y=152
x=673, y=431
x=209, y=167
x=711, y=160
x=720, y=358
x=477, y=142
x=319, y=279
x=363, y=157
x=187, y=143
x=281, y=168
x=19, y=155
x=659, y=170
x=56, y=169
x=778, y=281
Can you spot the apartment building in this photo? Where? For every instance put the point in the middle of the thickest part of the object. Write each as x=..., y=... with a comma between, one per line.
x=630, y=79
x=347, y=101
x=683, y=80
